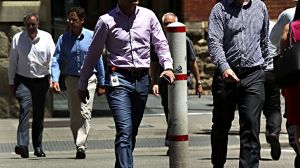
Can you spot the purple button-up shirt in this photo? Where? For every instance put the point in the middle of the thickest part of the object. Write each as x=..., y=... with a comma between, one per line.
x=127, y=39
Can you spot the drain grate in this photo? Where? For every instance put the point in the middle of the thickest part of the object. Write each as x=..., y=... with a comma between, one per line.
x=197, y=141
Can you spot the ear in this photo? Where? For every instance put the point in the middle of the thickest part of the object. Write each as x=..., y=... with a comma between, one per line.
x=82, y=21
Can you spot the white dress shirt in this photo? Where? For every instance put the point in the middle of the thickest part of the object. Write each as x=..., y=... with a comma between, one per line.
x=30, y=58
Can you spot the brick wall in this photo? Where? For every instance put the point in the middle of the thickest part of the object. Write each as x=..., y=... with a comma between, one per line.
x=199, y=10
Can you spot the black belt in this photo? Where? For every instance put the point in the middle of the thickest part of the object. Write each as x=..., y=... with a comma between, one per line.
x=131, y=72
x=75, y=76
x=246, y=70
x=31, y=79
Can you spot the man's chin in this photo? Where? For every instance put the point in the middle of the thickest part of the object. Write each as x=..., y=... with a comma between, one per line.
x=135, y=3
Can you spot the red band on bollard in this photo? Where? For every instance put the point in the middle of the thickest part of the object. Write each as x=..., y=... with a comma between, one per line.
x=178, y=138
x=176, y=29
x=181, y=76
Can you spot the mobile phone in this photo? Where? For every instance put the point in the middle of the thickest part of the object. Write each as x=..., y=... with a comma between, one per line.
x=229, y=79
x=166, y=79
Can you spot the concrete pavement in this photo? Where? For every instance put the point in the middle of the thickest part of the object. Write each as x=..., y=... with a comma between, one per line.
x=150, y=151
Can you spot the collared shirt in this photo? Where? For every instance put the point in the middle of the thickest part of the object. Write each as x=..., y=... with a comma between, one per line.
x=30, y=58
x=272, y=50
x=69, y=55
x=238, y=35
x=284, y=18
x=127, y=39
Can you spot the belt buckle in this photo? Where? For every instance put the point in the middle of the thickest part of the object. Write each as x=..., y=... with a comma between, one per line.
x=135, y=73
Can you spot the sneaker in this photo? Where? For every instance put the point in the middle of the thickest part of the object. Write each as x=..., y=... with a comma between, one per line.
x=80, y=154
x=275, y=147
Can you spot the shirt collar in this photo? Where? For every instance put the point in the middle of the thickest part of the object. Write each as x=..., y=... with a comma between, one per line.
x=36, y=39
x=80, y=37
x=232, y=2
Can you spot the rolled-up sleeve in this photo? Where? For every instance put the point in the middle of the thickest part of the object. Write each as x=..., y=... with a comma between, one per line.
x=13, y=60
x=160, y=44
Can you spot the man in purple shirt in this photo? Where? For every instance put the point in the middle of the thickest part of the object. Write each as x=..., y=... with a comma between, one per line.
x=126, y=32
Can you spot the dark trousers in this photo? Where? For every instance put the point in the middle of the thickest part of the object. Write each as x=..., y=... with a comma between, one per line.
x=163, y=90
x=291, y=133
x=271, y=108
x=38, y=88
x=248, y=95
x=127, y=102
x=24, y=98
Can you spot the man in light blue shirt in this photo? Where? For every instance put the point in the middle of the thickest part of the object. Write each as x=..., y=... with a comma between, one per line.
x=71, y=49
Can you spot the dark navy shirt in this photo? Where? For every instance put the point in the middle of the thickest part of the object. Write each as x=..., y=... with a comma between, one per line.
x=238, y=35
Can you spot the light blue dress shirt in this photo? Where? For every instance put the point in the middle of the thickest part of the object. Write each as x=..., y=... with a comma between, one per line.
x=70, y=53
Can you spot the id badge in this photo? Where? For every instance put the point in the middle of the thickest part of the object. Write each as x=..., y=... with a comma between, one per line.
x=114, y=80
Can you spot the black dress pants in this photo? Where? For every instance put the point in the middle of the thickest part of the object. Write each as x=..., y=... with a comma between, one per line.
x=271, y=108
x=248, y=96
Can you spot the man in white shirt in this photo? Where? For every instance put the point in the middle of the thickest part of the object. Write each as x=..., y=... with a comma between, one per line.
x=29, y=67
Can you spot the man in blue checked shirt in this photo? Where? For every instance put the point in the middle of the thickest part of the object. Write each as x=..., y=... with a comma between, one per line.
x=238, y=45
x=71, y=49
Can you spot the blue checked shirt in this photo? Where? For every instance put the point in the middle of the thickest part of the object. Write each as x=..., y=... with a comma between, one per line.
x=70, y=53
x=238, y=35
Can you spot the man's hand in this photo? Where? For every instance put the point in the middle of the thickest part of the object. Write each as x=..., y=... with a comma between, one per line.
x=100, y=90
x=55, y=88
x=83, y=95
x=199, y=89
x=13, y=90
x=229, y=76
x=168, y=73
x=155, y=89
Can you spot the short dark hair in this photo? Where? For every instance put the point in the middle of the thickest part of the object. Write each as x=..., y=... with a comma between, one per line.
x=79, y=11
x=28, y=16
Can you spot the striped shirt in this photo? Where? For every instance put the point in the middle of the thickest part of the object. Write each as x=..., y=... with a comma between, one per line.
x=238, y=34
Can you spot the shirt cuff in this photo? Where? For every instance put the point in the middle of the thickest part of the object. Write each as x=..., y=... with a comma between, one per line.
x=224, y=67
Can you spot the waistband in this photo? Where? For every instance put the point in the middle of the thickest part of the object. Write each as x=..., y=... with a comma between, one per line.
x=130, y=72
x=246, y=70
x=32, y=79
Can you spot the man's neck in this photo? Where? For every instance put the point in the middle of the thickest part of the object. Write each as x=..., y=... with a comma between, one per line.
x=127, y=10
x=76, y=32
x=32, y=35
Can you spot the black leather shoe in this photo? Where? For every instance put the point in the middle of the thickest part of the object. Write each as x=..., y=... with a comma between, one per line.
x=22, y=150
x=80, y=154
x=38, y=152
x=275, y=147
